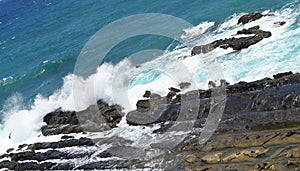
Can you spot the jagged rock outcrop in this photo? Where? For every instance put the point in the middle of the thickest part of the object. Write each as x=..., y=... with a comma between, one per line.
x=95, y=118
x=245, y=100
x=234, y=43
x=252, y=17
x=259, y=130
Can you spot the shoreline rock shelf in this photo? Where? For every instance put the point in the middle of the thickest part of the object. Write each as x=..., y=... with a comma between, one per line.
x=260, y=129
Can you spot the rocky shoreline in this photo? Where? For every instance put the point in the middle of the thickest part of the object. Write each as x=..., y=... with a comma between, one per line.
x=259, y=130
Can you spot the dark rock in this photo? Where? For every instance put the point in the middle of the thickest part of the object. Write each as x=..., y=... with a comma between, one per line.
x=160, y=114
x=143, y=104
x=101, y=117
x=255, y=30
x=61, y=144
x=279, y=23
x=234, y=43
x=261, y=119
x=170, y=95
x=176, y=90
x=8, y=164
x=22, y=146
x=33, y=166
x=104, y=154
x=61, y=117
x=4, y=155
x=184, y=85
x=148, y=117
x=113, y=114
x=9, y=150
x=245, y=100
x=211, y=84
x=147, y=94
x=281, y=75
x=95, y=118
x=67, y=137
x=204, y=48
x=251, y=30
x=250, y=17
x=27, y=155
x=55, y=154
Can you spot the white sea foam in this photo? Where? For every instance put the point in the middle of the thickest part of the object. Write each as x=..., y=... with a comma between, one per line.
x=197, y=31
x=276, y=54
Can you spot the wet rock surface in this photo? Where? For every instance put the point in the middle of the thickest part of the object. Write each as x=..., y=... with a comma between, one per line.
x=249, y=37
x=252, y=17
x=61, y=155
x=256, y=35
x=95, y=118
x=259, y=130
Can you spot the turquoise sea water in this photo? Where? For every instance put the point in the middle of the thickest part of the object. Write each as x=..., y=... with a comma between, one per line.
x=40, y=41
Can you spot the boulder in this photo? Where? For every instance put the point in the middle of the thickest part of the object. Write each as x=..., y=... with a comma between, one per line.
x=250, y=17
x=143, y=104
x=184, y=85
x=95, y=118
x=61, y=117
x=147, y=94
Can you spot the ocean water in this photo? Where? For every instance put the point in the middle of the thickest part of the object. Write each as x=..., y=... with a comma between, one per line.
x=40, y=41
